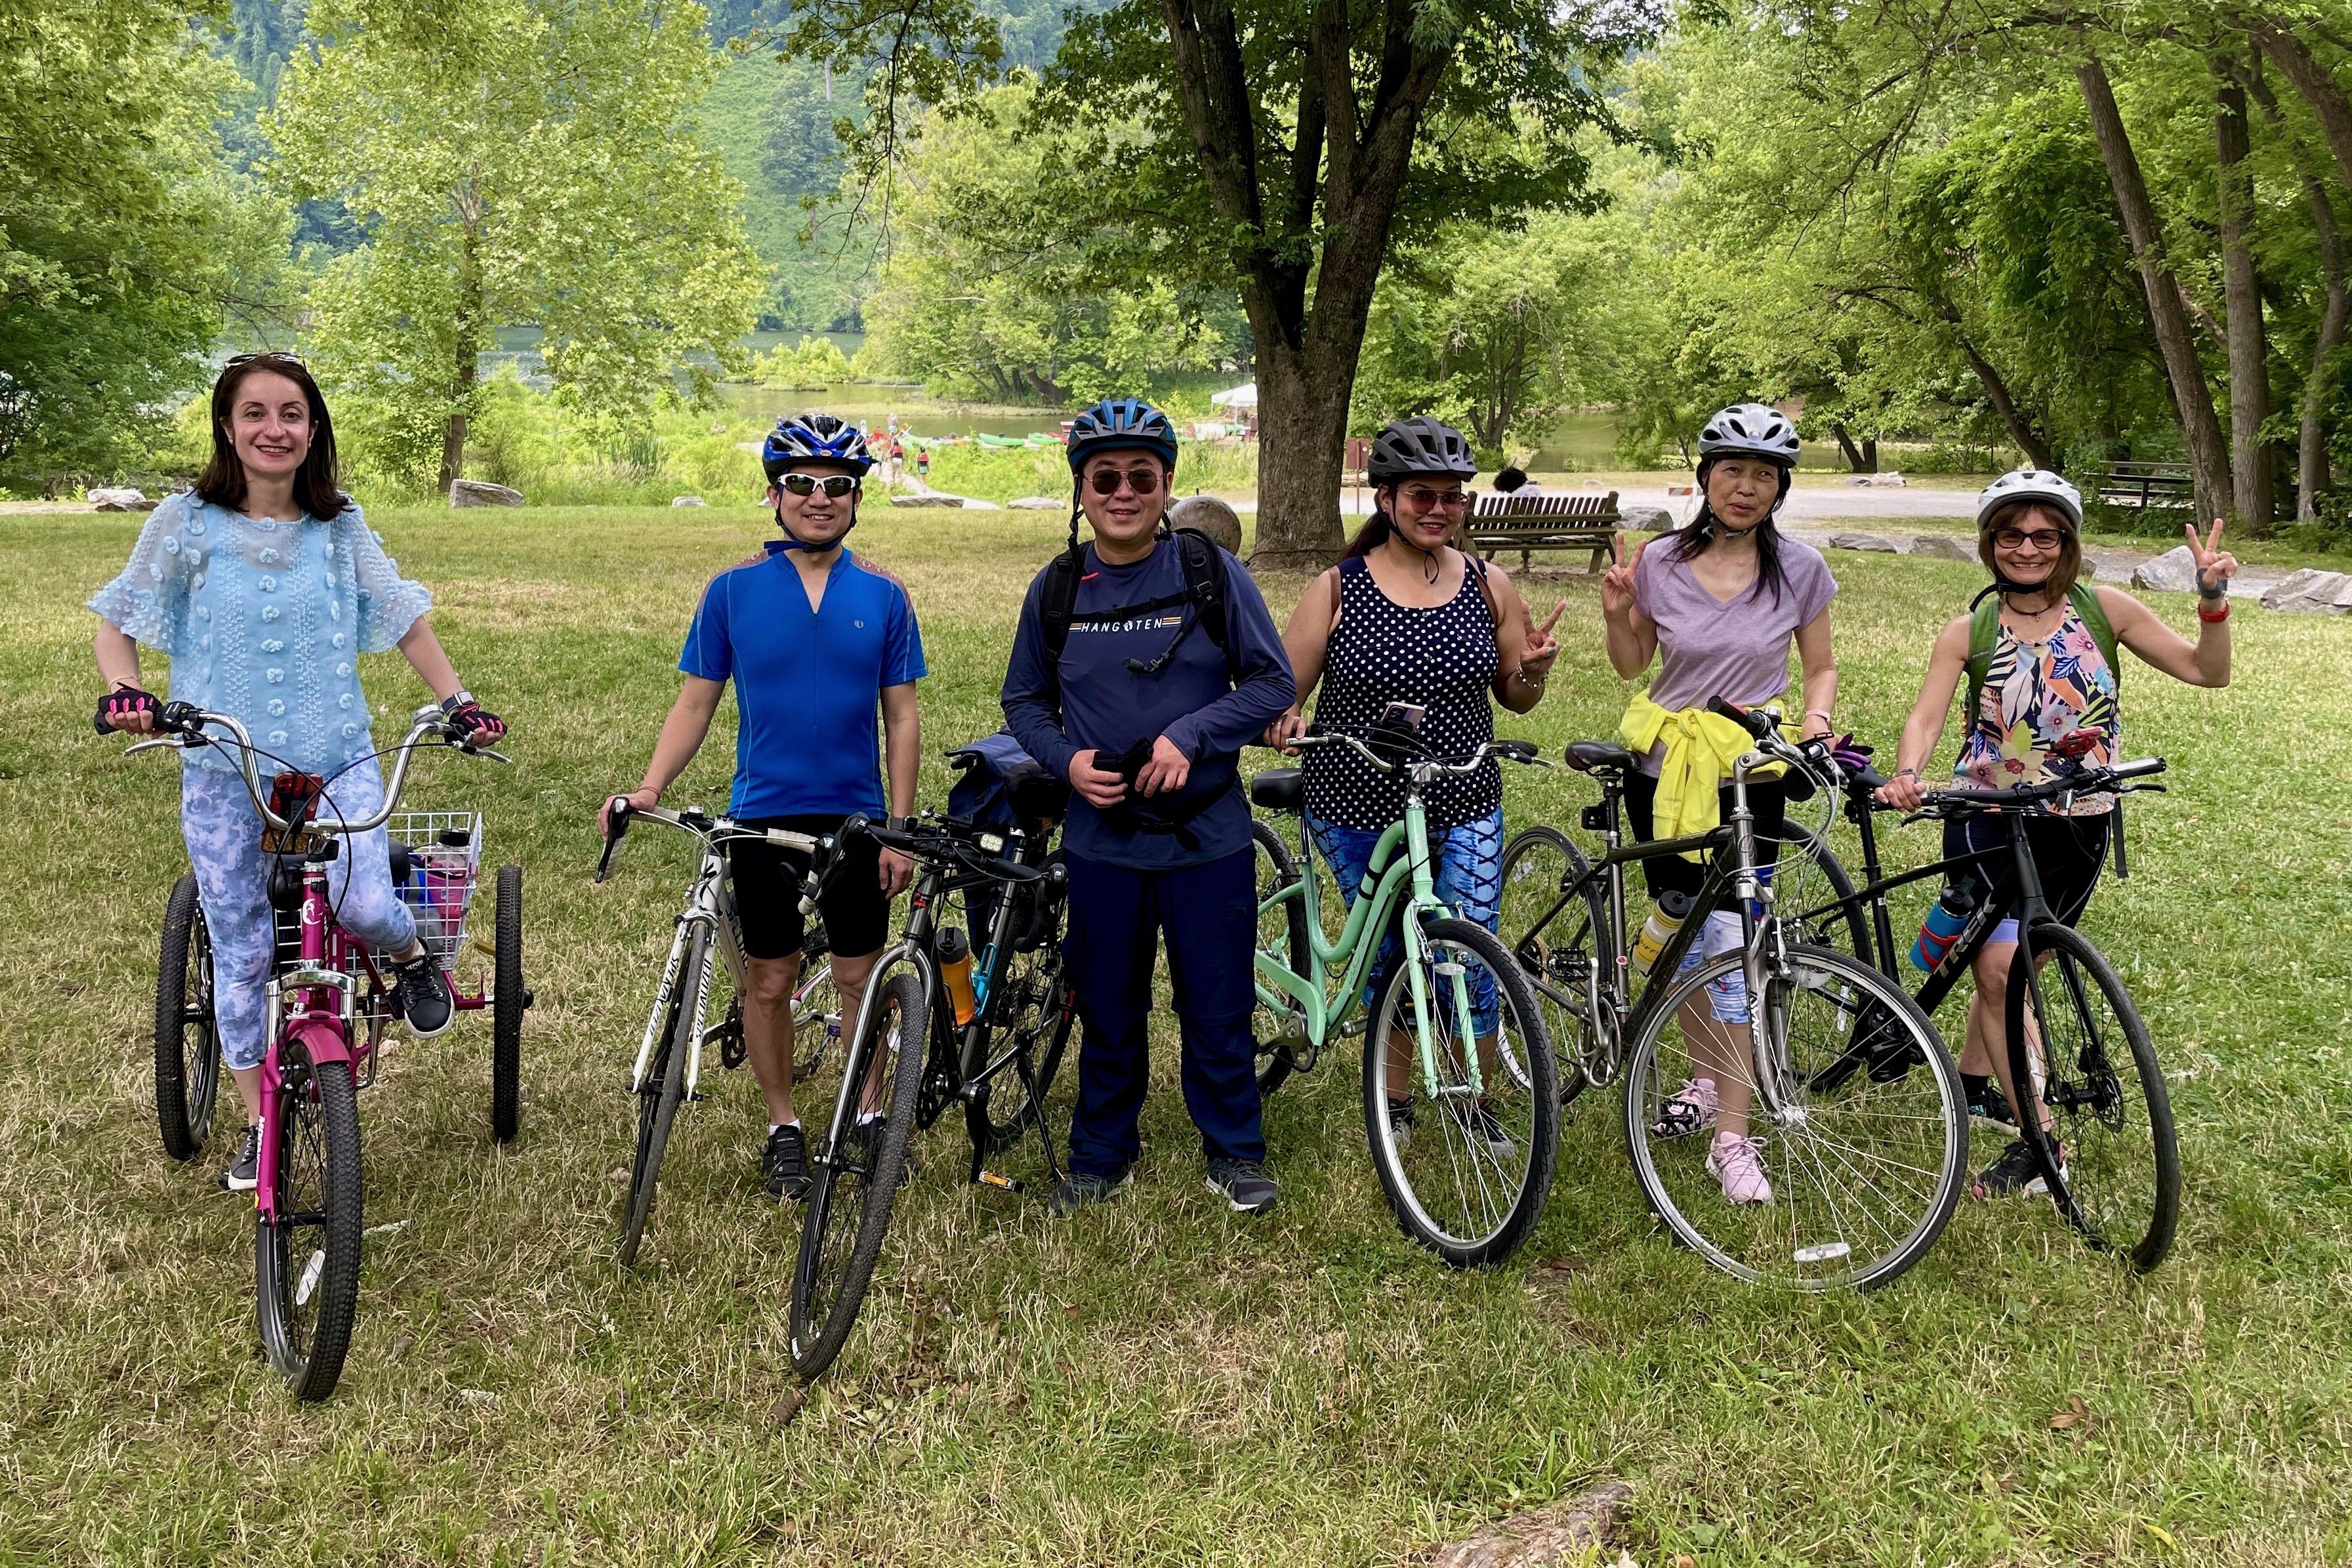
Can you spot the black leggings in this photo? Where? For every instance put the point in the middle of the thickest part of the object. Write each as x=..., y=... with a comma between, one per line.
x=1671, y=873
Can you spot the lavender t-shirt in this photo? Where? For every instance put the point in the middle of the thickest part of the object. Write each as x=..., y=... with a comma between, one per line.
x=1737, y=651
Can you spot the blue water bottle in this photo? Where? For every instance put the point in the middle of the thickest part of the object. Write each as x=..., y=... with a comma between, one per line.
x=1947, y=918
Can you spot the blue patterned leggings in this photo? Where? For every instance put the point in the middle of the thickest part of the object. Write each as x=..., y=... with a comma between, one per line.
x=224, y=835
x=1468, y=875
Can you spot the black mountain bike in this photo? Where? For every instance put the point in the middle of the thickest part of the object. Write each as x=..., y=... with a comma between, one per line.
x=2106, y=1146
x=926, y=1040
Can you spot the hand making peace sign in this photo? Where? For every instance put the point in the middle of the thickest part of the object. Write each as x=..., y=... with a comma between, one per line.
x=1617, y=583
x=1542, y=648
x=2215, y=566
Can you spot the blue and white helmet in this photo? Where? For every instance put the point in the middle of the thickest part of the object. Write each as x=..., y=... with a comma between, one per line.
x=2034, y=485
x=1121, y=424
x=814, y=438
x=1749, y=429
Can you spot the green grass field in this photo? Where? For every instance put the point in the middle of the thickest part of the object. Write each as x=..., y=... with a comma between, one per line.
x=1159, y=1380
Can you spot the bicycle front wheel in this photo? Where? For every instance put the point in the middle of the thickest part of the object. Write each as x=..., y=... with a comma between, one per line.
x=187, y=1043
x=2115, y=1167
x=660, y=1096
x=858, y=1177
x=1814, y=896
x=507, y=999
x=1040, y=1004
x=307, y=1256
x=1281, y=931
x=1863, y=1175
x=1467, y=1161
x=1561, y=941
x=816, y=1009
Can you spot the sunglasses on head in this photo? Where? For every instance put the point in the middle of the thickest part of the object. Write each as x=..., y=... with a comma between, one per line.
x=1106, y=481
x=261, y=356
x=833, y=485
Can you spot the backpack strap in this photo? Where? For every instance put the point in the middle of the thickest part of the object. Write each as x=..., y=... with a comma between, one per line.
x=1206, y=589
x=1205, y=585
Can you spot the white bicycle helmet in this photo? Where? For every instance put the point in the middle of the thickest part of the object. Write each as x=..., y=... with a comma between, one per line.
x=1752, y=429
x=2031, y=484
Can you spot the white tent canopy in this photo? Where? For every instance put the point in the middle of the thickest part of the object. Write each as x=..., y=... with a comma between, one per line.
x=1236, y=397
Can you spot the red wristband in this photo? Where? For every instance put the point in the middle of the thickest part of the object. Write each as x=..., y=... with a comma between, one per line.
x=2214, y=617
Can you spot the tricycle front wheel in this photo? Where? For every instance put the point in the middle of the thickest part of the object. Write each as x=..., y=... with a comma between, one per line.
x=508, y=1000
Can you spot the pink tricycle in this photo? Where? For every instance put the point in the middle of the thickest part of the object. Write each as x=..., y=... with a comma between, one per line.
x=329, y=1003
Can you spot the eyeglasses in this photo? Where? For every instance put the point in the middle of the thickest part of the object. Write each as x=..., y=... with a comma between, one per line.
x=1425, y=500
x=835, y=486
x=258, y=355
x=1106, y=481
x=2040, y=538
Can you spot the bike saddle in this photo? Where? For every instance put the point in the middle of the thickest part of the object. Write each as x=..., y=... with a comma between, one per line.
x=1599, y=756
x=1278, y=789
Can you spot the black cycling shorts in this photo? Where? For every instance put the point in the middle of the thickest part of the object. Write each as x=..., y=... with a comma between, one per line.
x=1670, y=873
x=2068, y=855
x=768, y=892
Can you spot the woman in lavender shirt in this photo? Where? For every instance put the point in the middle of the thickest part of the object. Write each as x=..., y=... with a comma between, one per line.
x=1718, y=605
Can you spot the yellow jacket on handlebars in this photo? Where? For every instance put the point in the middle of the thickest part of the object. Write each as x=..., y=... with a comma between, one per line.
x=1701, y=750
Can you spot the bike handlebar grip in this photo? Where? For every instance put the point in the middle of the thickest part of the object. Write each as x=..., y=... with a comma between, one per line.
x=1754, y=721
x=617, y=811
x=2144, y=768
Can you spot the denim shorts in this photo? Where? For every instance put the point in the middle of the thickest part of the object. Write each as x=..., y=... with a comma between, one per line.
x=1468, y=875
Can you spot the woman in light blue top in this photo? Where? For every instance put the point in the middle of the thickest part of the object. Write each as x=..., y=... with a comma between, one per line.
x=263, y=584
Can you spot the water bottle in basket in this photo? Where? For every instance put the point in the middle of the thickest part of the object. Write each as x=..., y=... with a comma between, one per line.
x=447, y=869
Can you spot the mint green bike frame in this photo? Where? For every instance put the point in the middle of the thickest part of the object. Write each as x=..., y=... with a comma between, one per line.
x=1303, y=996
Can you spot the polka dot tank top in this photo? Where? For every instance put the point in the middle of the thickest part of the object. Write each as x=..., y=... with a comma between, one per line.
x=1381, y=652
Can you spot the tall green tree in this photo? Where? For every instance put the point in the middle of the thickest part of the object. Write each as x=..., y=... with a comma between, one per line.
x=515, y=163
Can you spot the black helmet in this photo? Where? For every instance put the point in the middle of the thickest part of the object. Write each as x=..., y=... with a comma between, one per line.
x=1121, y=424
x=1419, y=445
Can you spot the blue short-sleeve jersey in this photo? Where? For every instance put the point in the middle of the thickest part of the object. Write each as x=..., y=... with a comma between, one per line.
x=808, y=684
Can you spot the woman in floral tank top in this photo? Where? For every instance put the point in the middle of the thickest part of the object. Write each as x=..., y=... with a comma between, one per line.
x=2048, y=679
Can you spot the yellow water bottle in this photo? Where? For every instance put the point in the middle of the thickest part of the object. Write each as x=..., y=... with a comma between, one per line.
x=954, y=953
x=1667, y=917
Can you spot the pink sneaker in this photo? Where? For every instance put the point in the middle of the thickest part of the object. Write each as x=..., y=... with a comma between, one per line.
x=1738, y=1163
x=1686, y=1112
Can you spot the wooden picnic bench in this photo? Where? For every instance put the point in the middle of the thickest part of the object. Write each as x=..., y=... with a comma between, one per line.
x=2148, y=484
x=1528, y=523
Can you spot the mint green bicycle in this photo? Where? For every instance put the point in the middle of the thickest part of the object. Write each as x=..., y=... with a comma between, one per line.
x=1461, y=1105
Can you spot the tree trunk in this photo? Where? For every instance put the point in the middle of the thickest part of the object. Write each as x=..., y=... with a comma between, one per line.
x=1857, y=461
x=2021, y=425
x=2200, y=429
x=2312, y=468
x=1870, y=454
x=2242, y=290
x=1302, y=442
x=466, y=369
x=2317, y=86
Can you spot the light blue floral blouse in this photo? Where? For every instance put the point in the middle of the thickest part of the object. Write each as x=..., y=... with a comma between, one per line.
x=261, y=620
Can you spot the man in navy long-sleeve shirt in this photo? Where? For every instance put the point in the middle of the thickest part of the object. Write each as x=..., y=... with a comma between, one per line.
x=1171, y=853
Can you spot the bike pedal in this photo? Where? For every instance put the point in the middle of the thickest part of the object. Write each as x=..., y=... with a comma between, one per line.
x=1003, y=1183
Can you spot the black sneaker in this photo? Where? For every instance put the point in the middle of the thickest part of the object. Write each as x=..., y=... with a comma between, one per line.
x=1074, y=1191
x=1400, y=1122
x=420, y=992
x=784, y=1165
x=1487, y=1128
x=1989, y=1106
x=1243, y=1183
x=2017, y=1174
x=244, y=1171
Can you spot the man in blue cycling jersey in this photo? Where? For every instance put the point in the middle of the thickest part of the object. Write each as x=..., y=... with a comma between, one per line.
x=817, y=641
x=1141, y=666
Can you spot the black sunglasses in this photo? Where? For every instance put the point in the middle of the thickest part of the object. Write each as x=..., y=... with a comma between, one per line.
x=260, y=354
x=833, y=485
x=1106, y=481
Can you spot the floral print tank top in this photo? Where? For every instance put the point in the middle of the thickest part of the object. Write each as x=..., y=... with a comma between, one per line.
x=2036, y=694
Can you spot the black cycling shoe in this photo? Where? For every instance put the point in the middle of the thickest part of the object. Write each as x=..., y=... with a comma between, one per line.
x=420, y=992
x=1074, y=1191
x=244, y=1171
x=2017, y=1174
x=1988, y=1105
x=1243, y=1183
x=784, y=1165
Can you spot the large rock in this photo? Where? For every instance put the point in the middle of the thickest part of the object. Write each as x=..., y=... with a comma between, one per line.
x=1648, y=519
x=1039, y=503
x=929, y=497
x=1888, y=481
x=2174, y=571
x=1573, y=1529
x=1941, y=547
x=481, y=492
x=688, y=500
x=1871, y=541
x=120, y=498
x=1207, y=514
x=2310, y=593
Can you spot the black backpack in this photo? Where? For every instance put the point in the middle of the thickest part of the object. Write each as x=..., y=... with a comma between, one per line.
x=1204, y=591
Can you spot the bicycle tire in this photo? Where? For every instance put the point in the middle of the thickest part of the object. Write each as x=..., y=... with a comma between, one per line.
x=1044, y=1005
x=1884, y=1138
x=660, y=1096
x=2109, y=1169
x=187, y=1038
x=1562, y=965
x=507, y=999
x=1276, y=870
x=853, y=1199
x=1533, y=1114
x=816, y=1008
x=1836, y=921
x=317, y=1124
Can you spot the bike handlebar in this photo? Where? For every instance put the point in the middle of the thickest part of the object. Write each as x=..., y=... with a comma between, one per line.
x=2115, y=780
x=1521, y=752
x=938, y=845
x=184, y=725
x=711, y=831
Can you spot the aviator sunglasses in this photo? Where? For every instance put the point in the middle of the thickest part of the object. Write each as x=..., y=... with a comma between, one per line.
x=1106, y=481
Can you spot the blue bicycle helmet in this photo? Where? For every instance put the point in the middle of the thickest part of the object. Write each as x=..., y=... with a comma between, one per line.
x=1121, y=424
x=814, y=438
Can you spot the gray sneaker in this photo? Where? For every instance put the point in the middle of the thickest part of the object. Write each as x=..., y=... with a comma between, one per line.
x=244, y=1171
x=1243, y=1183
x=1074, y=1191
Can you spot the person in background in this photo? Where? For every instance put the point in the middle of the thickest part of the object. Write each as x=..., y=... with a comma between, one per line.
x=1514, y=481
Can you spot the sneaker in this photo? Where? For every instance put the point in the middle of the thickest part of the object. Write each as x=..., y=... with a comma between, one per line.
x=420, y=992
x=1243, y=1183
x=1400, y=1122
x=1989, y=1106
x=1074, y=1191
x=244, y=1171
x=1738, y=1163
x=2017, y=1174
x=1688, y=1111
x=784, y=1165
x=1487, y=1128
